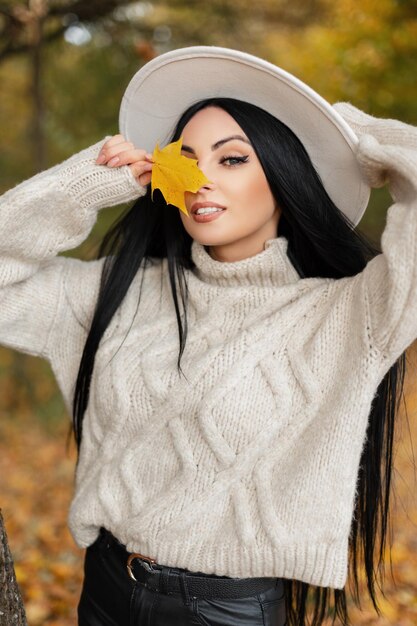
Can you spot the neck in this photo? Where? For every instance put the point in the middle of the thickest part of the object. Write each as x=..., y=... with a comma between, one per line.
x=245, y=247
x=269, y=268
x=231, y=253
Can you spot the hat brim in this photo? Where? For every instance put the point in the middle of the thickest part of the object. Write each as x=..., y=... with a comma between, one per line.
x=166, y=86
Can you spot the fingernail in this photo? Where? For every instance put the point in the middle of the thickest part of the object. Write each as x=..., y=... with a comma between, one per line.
x=100, y=159
x=113, y=161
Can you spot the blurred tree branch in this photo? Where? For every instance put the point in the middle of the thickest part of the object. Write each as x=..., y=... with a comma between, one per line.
x=25, y=24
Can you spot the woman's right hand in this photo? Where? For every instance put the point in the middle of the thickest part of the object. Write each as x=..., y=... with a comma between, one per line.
x=117, y=152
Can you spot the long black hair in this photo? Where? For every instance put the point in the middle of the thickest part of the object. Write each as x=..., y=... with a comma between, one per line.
x=322, y=242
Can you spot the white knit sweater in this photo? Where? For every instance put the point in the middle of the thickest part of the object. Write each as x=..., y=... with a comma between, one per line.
x=248, y=466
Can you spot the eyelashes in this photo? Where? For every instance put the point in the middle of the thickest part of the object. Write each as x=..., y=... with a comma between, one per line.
x=239, y=159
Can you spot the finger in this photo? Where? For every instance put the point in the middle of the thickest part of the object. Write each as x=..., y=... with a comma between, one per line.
x=110, y=143
x=108, y=153
x=144, y=179
x=115, y=140
x=118, y=143
x=127, y=157
x=140, y=167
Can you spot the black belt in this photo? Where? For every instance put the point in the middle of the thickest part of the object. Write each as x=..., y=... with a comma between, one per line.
x=166, y=579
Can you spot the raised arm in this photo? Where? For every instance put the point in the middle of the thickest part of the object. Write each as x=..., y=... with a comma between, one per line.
x=51, y=212
x=387, y=153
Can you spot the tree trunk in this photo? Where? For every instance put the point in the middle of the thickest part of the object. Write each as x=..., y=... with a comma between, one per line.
x=12, y=612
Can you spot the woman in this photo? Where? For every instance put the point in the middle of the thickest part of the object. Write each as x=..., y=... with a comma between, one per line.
x=233, y=373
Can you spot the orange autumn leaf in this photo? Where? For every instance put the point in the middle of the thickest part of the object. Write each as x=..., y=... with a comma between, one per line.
x=174, y=174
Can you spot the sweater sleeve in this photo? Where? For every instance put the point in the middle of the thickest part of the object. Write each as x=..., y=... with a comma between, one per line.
x=39, y=218
x=387, y=153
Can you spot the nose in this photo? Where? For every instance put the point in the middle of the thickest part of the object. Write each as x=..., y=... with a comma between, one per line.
x=204, y=168
x=208, y=186
x=191, y=196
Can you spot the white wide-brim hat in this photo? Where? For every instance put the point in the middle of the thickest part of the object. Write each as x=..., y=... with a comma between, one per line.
x=166, y=86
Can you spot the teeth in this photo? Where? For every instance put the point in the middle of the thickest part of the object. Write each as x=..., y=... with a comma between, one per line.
x=208, y=209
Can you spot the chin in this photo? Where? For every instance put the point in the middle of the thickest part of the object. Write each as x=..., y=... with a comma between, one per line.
x=215, y=241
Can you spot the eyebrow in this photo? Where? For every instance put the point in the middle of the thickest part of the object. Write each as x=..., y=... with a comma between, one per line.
x=218, y=143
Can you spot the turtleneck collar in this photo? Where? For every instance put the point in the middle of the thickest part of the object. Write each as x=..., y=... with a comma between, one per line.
x=269, y=268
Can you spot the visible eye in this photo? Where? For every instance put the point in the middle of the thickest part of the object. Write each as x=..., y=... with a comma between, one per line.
x=239, y=159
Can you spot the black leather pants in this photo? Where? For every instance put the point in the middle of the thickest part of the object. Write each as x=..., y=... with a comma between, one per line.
x=171, y=596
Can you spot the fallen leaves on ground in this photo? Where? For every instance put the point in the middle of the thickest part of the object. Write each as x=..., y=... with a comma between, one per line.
x=36, y=477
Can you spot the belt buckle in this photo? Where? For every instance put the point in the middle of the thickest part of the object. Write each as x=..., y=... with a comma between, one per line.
x=147, y=563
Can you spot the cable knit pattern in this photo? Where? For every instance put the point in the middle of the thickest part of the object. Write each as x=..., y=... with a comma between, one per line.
x=247, y=465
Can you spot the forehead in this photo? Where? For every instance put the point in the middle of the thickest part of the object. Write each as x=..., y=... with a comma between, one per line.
x=208, y=121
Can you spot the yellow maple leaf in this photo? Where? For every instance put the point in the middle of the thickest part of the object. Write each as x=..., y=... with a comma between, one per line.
x=174, y=174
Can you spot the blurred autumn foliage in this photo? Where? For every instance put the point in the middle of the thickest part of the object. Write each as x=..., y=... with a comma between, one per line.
x=64, y=65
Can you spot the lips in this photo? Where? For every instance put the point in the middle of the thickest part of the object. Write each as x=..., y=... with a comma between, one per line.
x=201, y=205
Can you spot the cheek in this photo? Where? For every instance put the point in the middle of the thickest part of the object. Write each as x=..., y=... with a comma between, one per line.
x=185, y=220
x=257, y=193
x=189, y=224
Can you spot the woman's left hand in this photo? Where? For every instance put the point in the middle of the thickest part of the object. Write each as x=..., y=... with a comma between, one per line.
x=117, y=152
